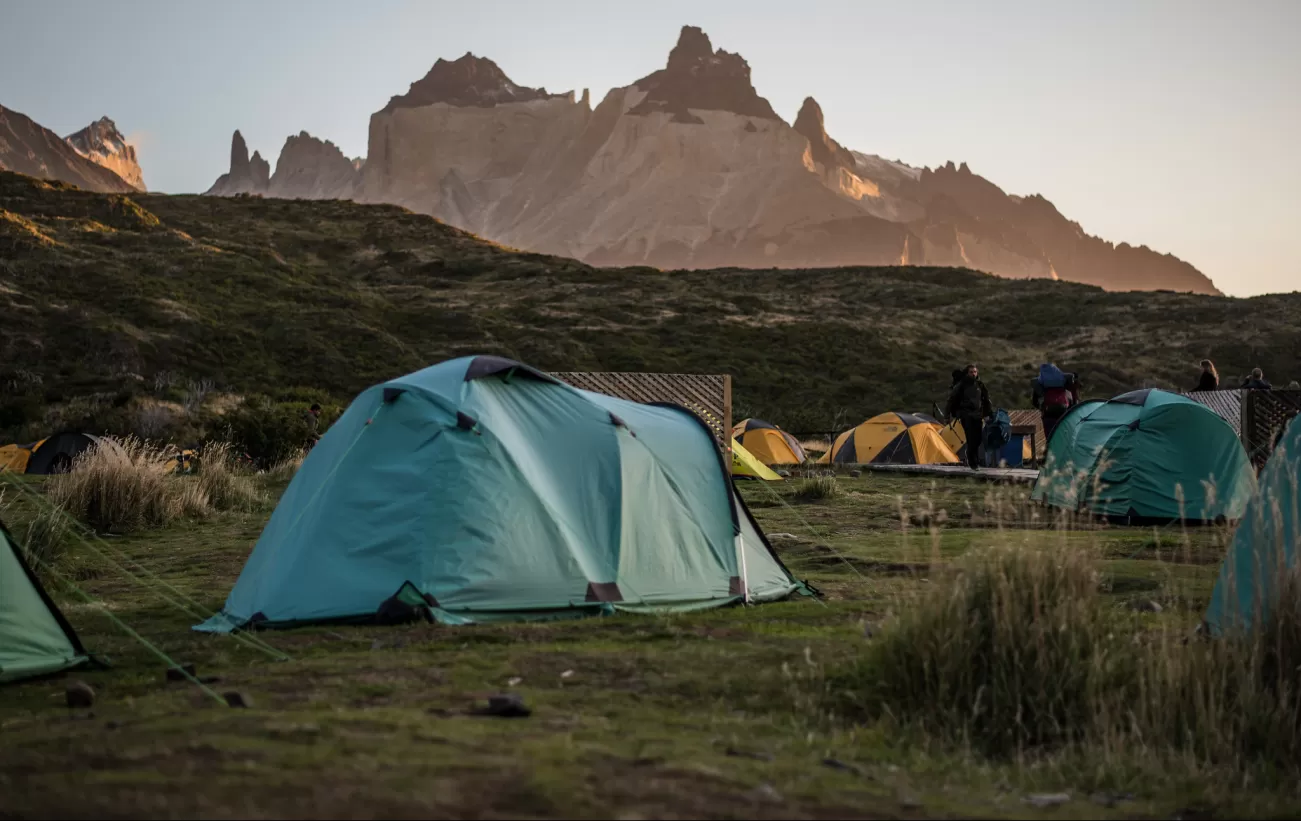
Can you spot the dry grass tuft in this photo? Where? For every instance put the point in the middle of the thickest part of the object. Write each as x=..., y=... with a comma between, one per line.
x=223, y=483
x=132, y=485
x=120, y=486
x=287, y=468
x=817, y=488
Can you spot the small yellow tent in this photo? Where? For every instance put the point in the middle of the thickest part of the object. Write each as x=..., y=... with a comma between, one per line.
x=768, y=443
x=893, y=438
x=744, y=464
x=13, y=458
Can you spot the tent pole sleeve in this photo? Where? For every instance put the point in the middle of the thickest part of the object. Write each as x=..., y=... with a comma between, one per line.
x=745, y=579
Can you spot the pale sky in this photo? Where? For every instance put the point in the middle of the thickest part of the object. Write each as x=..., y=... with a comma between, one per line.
x=1169, y=123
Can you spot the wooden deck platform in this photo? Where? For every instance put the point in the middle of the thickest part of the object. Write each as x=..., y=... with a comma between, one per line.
x=1017, y=475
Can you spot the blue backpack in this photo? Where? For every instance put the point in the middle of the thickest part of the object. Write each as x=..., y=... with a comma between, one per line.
x=998, y=431
x=1051, y=376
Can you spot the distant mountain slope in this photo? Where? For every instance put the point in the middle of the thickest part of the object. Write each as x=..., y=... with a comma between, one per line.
x=690, y=167
x=29, y=148
x=103, y=292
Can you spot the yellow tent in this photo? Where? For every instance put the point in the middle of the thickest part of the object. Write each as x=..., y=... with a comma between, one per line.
x=744, y=464
x=956, y=438
x=13, y=458
x=893, y=438
x=768, y=443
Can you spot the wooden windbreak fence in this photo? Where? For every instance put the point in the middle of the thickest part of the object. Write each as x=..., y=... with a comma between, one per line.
x=1265, y=415
x=707, y=395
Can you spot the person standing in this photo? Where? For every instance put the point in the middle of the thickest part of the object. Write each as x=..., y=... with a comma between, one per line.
x=969, y=403
x=1054, y=393
x=1210, y=378
x=313, y=420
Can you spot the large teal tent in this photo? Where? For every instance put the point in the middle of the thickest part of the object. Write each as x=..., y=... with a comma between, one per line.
x=480, y=489
x=1266, y=544
x=1146, y=456
x=35, y=639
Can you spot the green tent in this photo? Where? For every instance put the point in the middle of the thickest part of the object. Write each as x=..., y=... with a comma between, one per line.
x=35, y=639
x=1265, y=545
x=1146, y=456
x=480, y=490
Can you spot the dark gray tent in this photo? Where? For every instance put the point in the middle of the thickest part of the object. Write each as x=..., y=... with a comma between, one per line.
x=56, y=454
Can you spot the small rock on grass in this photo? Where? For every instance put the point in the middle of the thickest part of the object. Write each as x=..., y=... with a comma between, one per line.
x=843, y=766
x=1044, y=800
x=80, y=694
x=235, y=698
x=735, y=753
x=505, y=705
x=909, y=802
x=766, y=792
x=1146, y=606
x=1109, y=800
x=854, y=474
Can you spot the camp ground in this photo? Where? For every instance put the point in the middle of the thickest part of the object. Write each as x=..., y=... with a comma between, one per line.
x=487, y=590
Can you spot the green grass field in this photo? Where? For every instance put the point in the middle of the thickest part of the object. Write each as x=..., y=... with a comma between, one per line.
x=713, y=714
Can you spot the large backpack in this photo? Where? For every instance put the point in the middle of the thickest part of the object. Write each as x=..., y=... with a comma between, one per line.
x=998, y=431
x=1051, y=376
x=1057, y=400
x=1057, y=394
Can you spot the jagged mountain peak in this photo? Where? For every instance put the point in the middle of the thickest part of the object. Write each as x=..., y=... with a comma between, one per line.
x=810, y=112
x=696, y=76
x=466, y=81
x=102, y=129
x=692, y=47
x=102, y=143
x=823, y=149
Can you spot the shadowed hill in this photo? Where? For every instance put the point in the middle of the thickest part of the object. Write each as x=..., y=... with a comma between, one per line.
x=102, y=291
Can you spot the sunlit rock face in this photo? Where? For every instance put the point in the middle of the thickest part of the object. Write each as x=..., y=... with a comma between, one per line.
x=101, y=143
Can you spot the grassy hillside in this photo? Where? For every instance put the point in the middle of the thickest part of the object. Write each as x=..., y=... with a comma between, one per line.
x=104, y=292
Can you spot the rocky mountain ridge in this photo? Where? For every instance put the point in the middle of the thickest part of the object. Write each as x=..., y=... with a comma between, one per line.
x=688, y=167
x=29, y=148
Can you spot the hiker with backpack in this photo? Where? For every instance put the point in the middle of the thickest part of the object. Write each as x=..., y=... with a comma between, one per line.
x=1054, y=393
x=969, y=403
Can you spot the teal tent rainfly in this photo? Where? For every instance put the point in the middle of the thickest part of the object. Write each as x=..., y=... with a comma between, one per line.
x=480, y=490
x=1146, y=456
x=1265, y=546
x=35, y=639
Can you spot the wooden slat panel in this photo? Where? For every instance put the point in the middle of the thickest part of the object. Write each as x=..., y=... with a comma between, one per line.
x=1226, y=404
x=1266, y=414
x=706, y=395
